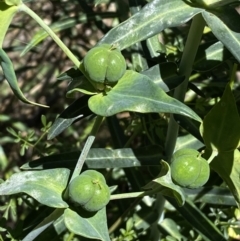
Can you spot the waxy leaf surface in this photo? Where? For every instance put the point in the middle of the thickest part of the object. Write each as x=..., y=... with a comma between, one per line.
x=136, y=92
x=6, y=15
x=11, y=78
x=221, y=126
x=164, y=183
x=45, y=186
x=224, y=27
x=154, y=17
x=93, y=226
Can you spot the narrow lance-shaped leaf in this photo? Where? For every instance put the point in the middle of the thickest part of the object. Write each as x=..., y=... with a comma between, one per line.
x=211, y=195
x=224, y=27
x=6, y=15
x=45, y=186
x=198, y=220
x=149, y=21
x=101, y=158
x=11, y=78
x=136, y=92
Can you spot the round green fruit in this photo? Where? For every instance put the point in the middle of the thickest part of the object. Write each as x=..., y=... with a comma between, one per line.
x=96, y=176
x=189, y=169
x=99, y=200
x=81, y=190
x=104, y=65
x=90, y=191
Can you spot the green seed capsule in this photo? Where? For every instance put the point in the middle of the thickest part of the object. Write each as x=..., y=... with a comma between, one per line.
x=104, y=65
x=90, y=191
x=189, y=169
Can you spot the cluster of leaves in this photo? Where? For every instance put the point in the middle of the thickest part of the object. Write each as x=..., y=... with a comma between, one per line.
x=159, y=77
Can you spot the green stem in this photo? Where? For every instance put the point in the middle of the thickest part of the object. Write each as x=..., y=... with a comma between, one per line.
x=31, y=145
x=41, y=137
x=233, y=75
x=97, y=125
x=147, y=133
x=71, y=236
x=213, y=155
x=131, y=138
x=133, y=194
x=58, y=41
x=185, y=69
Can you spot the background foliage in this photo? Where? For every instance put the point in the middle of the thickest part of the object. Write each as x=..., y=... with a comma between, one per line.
x=129, y=144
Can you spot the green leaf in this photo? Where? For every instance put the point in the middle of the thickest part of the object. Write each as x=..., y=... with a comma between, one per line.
x=76, y=111
x=70, y=74
x=197, y=219
x=136, y=92
x=149, y=21
x=6, y=16
x=211, y=195
x=45, y=186
x=188, y=141
x=44, y=225
x=224, y=27
x=164, y=183
x=172, y=229
x=144, y=218
x=101, y=158
x=191, y=126
x=164, y=75
x=227, y=165
x=13, y=2
x=82, y=85
x=213, y=4
x=210, y=56
x=11, y=78
x=93, y=226
x=221, y=126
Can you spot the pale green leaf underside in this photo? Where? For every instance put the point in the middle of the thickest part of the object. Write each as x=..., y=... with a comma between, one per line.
x=93, y=227
x=136, y=92
x=164, y=183
x=45, y=186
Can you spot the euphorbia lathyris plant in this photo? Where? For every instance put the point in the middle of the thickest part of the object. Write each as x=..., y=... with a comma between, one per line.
x=115, y=86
